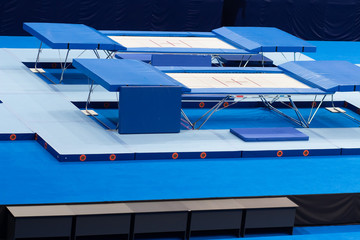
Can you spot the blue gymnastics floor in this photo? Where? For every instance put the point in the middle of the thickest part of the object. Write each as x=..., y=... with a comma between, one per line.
x=30, y=175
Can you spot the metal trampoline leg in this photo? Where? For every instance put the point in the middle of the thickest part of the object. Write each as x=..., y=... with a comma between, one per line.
x=38, y=56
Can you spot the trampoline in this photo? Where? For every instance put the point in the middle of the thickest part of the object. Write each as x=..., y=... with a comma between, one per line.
x=69, y=37
x=316, y=79
x=226, y=40
x=244, y=41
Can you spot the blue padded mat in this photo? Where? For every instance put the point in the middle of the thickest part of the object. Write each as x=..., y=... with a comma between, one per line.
x=135, y=56
x=114, y=73
x=181, y=60
x=71, y=36
x=269, y=134
x=263, y=39
x=330, y=76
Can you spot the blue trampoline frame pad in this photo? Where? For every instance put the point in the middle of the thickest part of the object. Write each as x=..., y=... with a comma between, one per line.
x=269, y=134
x=329, y=76
x=71, y=36
x=263, y=39
x=115, y=73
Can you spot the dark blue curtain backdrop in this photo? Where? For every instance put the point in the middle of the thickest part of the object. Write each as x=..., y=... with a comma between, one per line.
x=169, y=15
x=307, y=19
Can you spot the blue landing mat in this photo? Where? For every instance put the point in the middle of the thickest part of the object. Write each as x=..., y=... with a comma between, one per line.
x=29, y=174
x=269, y=134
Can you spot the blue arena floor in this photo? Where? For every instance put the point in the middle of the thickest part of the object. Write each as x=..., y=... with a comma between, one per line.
x=29, y=174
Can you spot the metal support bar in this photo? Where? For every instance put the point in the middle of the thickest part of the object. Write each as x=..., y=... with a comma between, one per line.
x=347, y=115
x=89, y=95
x=38, y=56
x=96, y=53
x=208, y=113
x=318, y=107
x=271, y=107
x=242, y=57
x=64, y=67
x=247, y=61
x=301, y=118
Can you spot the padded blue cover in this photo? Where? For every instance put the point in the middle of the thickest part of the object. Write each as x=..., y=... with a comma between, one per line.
x=330, y=76
x=181, y=60
x=269, y=134
x=114, y=73
x=263, y=39
x=71, y=36
x=136, y=56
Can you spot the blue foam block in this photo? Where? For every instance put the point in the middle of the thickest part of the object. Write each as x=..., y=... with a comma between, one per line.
x=269, y=134
x=71, y=36
x=181, y=60
x=149, y=109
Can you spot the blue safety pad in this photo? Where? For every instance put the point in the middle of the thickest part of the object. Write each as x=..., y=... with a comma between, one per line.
x=71, y=36
x=330, y=76
x=269, y=134
x=135, y=56
x=181, y=60
x=263, y=39
x=186, y=50
x=115, y=73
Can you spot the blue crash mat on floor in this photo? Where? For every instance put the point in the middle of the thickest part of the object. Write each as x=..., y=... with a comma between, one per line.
x=269, y=134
